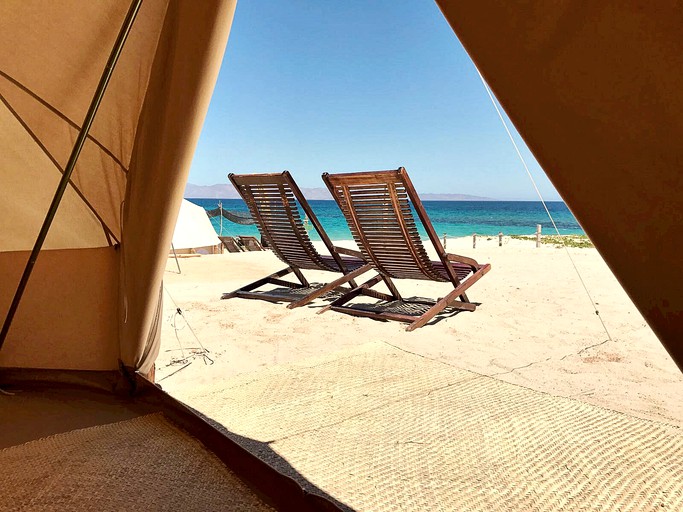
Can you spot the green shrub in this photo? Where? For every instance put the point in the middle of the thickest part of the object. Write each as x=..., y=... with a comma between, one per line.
x=576, y=241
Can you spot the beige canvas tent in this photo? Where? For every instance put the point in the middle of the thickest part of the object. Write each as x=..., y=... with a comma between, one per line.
x=88, y=318
x=133, y=166
x=596, y=93
x=594, y=90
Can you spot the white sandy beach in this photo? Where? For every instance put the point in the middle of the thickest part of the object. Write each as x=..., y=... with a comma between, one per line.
x=535, y=327
x=524, y=404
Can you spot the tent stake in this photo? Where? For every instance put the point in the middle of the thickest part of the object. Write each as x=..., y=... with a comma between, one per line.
x=71, y=164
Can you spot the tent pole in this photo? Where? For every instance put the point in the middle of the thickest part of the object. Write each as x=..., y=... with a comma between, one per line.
x=71, y=164
x=176, y=258
x=220, y=205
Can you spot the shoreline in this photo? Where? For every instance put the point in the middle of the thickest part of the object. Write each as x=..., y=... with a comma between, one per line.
x=422, y=195
x=452, y=218
x=255, y=232
x=480, y=236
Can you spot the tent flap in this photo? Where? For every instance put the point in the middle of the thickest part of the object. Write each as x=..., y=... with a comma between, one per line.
x=100, y=273
x=185, y=67
x=594, y=90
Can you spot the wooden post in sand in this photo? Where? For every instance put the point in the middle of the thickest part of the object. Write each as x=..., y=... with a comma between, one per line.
x=538, y=235
x=500, y=239
x=444, y=240
x=474, y=240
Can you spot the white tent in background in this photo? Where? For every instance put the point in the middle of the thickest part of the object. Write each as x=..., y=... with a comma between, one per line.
x=193, y=230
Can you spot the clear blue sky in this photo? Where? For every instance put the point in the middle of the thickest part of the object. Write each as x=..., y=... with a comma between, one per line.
x=352, y=85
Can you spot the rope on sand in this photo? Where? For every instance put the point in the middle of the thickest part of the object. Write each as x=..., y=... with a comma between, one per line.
x=538, y=192
x=186, y=361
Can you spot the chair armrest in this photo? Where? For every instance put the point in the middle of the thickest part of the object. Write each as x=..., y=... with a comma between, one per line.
x=463, y=259
x=349, y=252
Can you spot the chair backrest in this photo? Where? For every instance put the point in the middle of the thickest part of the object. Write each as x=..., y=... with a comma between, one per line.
x=230, y=244
x=272, y=200
x=250, y=243
x=376, y=205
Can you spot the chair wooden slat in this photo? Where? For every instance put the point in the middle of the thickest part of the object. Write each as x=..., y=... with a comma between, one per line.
x=275, y=203
x=377, y=208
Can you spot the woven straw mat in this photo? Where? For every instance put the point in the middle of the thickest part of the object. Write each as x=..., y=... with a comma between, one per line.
x=141, y=464
x=379, y=429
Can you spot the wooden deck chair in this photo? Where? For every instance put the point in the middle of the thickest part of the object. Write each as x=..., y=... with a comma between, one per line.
x=272, y=200
x=377, y=209
x=230, y=244
x=250, y=243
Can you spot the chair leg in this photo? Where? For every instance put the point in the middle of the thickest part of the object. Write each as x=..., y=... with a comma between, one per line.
x=451, y=300
x=437, y=308
x=301, y=277
x=330, y=286
x=358, y=290
x=272, y=278
x=392, y=287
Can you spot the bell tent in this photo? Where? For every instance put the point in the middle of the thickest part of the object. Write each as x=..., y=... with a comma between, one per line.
x=104, y=101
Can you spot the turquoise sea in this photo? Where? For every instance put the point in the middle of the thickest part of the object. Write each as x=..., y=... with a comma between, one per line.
x=453, y=218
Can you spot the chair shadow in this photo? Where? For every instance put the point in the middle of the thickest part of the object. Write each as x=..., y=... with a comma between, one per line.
x=286, y=294
x=413, y=306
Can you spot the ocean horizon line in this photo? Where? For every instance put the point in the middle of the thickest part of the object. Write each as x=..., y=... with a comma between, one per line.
x=423, y=200
x=453, y=218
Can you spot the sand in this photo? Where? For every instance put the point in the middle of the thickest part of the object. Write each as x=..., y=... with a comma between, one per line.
x=535, y=327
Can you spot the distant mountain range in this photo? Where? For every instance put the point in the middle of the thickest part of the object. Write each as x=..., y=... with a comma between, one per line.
x=227, y=191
